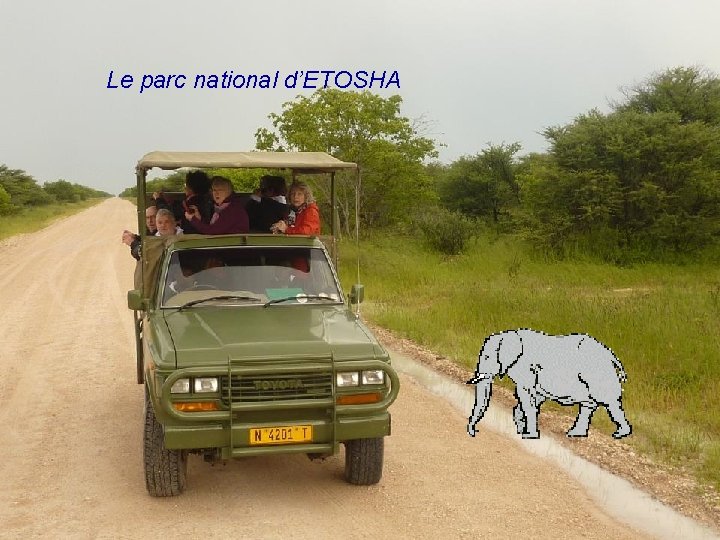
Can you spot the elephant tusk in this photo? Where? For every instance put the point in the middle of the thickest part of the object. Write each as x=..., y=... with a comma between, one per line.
x=479, y=377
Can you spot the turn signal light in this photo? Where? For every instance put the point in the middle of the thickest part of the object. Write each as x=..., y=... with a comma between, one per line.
x=359, y=399
x=195, y=406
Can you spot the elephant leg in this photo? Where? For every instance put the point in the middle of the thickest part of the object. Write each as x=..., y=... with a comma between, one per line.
x=582, y=422
x=519, y=418
x=529, y=407
x=617, y=415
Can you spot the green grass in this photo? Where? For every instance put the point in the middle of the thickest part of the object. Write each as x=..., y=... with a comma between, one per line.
x=33, y=219
x=662, y=321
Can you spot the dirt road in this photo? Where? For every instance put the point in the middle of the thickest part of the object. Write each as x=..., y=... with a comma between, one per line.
x=71, y=417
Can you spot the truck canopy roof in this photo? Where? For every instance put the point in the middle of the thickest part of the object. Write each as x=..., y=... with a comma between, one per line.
x=308, y=162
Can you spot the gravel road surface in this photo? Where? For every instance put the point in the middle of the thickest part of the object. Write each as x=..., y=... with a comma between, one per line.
x=71, y=431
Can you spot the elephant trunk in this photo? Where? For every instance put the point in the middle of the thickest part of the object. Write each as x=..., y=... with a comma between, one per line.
x=483, y=391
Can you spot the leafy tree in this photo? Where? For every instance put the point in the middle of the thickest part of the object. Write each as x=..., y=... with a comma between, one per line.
x=175, y=181
x=19, y=190
x=653, y=178
x=559, y=205
x=22, y=188
x=63, y=191
x=691, y=92
x=483, y=185
x=6, y=206
x=367, y=129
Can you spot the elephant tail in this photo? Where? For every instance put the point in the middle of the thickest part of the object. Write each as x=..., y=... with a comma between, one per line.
x=622, y=375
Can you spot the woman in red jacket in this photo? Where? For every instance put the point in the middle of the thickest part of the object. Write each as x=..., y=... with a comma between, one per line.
x=304, y=217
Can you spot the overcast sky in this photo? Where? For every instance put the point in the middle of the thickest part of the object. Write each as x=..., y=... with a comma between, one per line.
x=476, y=71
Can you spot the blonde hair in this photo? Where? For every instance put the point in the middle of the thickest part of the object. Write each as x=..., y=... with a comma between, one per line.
x=302, y=186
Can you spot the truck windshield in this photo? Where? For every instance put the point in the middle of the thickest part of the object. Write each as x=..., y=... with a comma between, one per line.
x=293, y=275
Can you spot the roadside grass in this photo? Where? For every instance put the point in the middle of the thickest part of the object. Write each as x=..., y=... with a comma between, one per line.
x=33, y=219
x=661, y=320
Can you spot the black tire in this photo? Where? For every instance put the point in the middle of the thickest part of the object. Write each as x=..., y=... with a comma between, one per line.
x=364, y=461
x=165, y=470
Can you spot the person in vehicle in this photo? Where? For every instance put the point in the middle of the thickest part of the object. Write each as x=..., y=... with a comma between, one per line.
x=133, y=240
x=229, y=217
x=304, y=216
x=191, y=271
x=269, y=205
x=166, y=224
x=197, y=193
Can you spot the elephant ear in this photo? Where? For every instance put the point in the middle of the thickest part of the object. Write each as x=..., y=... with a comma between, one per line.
x=509, y=350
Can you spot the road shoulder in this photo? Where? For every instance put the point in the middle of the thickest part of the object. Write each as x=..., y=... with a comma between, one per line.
x=670, y=485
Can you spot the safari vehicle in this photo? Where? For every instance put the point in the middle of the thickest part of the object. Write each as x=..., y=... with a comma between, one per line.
x=246, y=344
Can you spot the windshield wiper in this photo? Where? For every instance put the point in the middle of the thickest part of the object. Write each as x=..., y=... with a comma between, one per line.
x=219, y=297
x=303, y=297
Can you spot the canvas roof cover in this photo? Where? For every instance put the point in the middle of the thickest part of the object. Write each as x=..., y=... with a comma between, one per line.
x=308, y=161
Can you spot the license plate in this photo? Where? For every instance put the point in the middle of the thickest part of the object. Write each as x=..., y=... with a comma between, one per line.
x=281, y=435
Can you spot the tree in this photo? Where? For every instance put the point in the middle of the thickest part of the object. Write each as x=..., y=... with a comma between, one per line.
x=483, y=185
x=366, y=129
x=63, y=191
x=22, y=188
x=6, y=206
x=691, y=92
x=653, y=178
x=175, y=181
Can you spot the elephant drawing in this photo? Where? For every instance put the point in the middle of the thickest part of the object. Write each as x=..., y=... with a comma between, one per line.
x=570, y=369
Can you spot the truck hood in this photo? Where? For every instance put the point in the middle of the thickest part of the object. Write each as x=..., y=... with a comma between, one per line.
x=210, y=335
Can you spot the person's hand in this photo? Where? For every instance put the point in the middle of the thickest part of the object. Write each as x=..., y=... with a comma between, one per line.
x=280, y=226
x=192, y=212
x=127, y=237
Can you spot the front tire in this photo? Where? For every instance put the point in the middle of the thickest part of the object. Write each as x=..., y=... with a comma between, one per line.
x=364, y=461
x=165, y=470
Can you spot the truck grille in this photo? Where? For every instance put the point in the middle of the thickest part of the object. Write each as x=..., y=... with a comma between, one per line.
x=275, y=387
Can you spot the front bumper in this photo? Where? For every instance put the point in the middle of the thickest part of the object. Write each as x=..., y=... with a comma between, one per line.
x=229, y=429
x=235, y=442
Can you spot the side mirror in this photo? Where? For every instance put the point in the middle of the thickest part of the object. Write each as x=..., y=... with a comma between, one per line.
x=357, y=294
x=135, y=300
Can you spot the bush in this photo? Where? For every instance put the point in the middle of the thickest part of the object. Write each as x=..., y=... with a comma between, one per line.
x=6, y=207
x=445, y=231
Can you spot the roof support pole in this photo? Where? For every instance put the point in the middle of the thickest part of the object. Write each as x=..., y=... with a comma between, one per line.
x=333, y=206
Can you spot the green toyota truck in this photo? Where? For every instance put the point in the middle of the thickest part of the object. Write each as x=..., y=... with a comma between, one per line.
x=247, y=345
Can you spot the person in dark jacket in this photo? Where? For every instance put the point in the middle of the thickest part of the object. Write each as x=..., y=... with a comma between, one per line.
x=197, y=194
x=269, y=205
x=133, y=240
x=229, y=217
